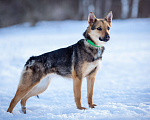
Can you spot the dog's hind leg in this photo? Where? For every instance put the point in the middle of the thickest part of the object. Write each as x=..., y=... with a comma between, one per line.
x=28, y=80
x=38, y=89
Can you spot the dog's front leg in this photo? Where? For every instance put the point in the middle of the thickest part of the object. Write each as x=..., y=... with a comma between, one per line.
x=77, y=83
x=90, y=86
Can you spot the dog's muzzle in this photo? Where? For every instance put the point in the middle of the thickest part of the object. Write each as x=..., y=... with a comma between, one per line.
x=105, y=39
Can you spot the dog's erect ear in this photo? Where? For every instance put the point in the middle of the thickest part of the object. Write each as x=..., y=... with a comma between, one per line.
x=91, y=18
x=109, y=17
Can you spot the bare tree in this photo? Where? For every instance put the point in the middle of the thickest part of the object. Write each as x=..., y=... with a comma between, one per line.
x=98, y=8
x=125, y=9
x=108, y=4
x=80, y=9
x=85, y=8
x=135, y=7
x=91, y=7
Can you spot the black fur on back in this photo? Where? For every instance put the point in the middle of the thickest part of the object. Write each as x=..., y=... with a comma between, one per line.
x=61, y=61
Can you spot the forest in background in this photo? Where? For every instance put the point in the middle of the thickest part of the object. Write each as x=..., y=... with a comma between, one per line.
x=19, y=11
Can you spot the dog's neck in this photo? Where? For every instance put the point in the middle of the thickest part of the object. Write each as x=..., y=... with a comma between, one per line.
x=92, y=41
x=95, y=52
x=85, y=34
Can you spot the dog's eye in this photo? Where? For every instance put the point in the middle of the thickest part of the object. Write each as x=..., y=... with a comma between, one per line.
x=108, y=28
x=99, y=28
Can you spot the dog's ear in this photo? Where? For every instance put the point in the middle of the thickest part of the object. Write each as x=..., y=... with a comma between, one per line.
x=109, y=17
x=91, y=18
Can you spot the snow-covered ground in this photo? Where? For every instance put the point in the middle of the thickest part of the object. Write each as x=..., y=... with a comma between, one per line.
x=122, y=86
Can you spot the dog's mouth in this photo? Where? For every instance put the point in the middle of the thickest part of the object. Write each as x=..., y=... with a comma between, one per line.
x=105, y=39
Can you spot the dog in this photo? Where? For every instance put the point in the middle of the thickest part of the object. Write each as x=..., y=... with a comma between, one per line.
x=77, y=61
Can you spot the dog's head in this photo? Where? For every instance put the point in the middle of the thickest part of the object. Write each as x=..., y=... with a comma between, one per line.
x=99, y=29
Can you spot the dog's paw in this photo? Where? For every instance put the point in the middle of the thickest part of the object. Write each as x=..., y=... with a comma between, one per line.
x=82, y=108
x=92, y=105
x=23, y=109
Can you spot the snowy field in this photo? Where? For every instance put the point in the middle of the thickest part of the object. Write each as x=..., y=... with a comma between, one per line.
x=122, y=86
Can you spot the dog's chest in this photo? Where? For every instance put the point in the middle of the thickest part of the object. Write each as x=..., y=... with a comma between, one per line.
x=95, y=54
x=98, y=55
x=89, y=67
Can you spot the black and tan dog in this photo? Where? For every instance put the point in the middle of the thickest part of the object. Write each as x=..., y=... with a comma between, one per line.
x=77, y=61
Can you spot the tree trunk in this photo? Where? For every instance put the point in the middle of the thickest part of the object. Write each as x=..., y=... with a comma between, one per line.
x=135, y=7
x=125, y=9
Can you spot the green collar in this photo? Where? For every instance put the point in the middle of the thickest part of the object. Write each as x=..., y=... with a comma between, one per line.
x=90, y=42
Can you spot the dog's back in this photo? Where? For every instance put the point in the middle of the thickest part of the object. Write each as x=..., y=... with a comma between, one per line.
x=58, y=61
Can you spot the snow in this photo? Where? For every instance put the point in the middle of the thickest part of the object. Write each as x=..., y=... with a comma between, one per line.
x=122, y=86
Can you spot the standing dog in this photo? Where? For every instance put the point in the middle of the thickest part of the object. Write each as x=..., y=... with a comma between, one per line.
x=77, y=61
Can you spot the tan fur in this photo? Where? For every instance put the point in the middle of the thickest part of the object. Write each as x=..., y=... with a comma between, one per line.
x=104, y=27
x=77, y=83
x=90, y=86
x=36, y=90
x=95, y=35
x=27, y=82
x=88, y=67
x=21, y=92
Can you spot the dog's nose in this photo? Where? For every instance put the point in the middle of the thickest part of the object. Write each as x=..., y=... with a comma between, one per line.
x=107, y=37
